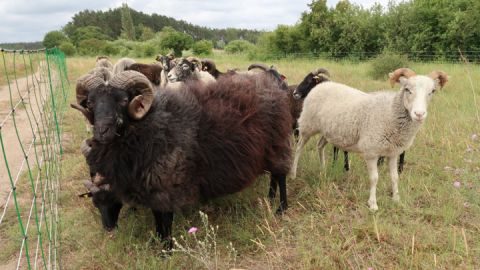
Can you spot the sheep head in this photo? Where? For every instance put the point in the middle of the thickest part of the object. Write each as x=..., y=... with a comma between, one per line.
x=110, y=107
x=165, y=61
x=417, y=90
x=181, y=71
x=208, y=66
x=106, y=202
x=310, y=81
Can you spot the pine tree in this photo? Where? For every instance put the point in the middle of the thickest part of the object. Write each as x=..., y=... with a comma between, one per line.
x=128, y=31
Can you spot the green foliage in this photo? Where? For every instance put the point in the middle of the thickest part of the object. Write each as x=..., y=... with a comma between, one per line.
x=91, y=46
x=239, y=46
x=176, y=41
x=111, y=49
x=67, y=48
x=202, y=47
x=146, y=33
x=220, y=44
x=110, y=21
x=87, y=32
x=422, y=29
x=386, y=63
x=128, y=31
x=149, y=50
x=54, y=39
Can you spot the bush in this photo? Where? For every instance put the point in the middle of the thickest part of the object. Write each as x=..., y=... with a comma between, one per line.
x=91, y=46
x=202, y=47
x=385, y=63
x=239, y=46
x=111, y=49
x=53, y=39
x=149, y=50
x=67, y=48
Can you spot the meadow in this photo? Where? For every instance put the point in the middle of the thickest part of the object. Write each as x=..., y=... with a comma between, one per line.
x=436, y=225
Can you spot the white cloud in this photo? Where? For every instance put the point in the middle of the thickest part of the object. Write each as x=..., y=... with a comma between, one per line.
x=24, y=20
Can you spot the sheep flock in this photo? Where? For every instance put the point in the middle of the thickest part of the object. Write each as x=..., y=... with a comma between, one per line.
x=178, y=131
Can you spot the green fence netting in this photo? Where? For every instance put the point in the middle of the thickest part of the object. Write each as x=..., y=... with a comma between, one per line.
x=33, y=95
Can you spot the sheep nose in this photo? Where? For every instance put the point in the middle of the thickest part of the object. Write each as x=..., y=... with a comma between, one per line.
x=419, y=114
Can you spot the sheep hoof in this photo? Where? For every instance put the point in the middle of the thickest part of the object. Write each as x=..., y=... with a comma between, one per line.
x=396, y=197
x=373, y=205
x=281, y=210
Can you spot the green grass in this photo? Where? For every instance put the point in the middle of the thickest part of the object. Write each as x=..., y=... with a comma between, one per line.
x=328, y=225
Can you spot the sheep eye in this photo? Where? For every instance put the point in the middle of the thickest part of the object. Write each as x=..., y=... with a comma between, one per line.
x=433, y=91
x=124, y=102
x=408, y=91
x=185, y=66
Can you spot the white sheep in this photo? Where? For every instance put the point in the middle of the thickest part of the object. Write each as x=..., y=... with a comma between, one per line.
x=187, y=70
x=122, y=65
x=373, y=124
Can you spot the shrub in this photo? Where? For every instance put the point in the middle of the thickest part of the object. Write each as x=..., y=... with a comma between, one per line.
x=149, y=50
x=54, y=38
x=67, y=48
x=202, y=47
x=385, y=63
x=111, y=49
x=239, y=46
x=91, y=46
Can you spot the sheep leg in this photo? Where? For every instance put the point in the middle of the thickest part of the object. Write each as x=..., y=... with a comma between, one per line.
x=272, y=191
x=281, y=179
x=321, y=150
x=373, y=174
x=346, y=163
x=303, y=139
x=335, y=153
x=401, y=162
x=392, y=165
x=163, y=222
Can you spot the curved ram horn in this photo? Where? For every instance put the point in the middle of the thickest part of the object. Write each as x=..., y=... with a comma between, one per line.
x=439, y=77
x=401, y=72
x=321, y=71
x=260, y=66
x=195, y=61
x=84, y=84
x=86, y=147
x=90, y=186
x=142, y=90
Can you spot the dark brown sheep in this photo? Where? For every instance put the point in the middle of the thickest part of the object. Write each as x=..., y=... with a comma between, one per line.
x=180, y=147
x=151, y=71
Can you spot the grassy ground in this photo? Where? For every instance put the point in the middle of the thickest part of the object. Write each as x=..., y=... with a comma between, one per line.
x=328, y=226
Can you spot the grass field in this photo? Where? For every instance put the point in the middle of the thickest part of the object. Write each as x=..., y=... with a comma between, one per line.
x=328, y=226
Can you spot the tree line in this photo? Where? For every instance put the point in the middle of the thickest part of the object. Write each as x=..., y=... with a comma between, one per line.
x=425, y=29
x=418, y=28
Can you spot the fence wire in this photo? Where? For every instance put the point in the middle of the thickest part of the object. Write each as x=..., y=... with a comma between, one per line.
x=32, y=99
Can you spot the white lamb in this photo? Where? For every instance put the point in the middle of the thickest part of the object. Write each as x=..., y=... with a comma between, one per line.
x=373, y=124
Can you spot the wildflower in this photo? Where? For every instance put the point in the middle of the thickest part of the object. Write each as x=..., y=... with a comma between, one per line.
x=192, y=230
x=457, y=184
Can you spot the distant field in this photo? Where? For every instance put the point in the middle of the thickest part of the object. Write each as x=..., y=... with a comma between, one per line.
x=328, y=225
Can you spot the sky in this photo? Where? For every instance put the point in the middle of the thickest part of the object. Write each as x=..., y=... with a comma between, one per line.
x=27, y=20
